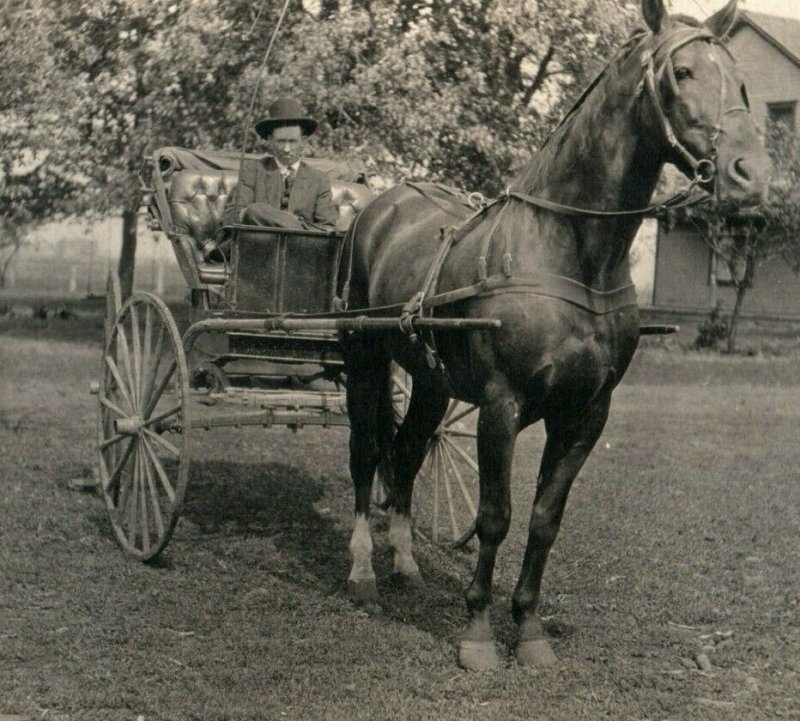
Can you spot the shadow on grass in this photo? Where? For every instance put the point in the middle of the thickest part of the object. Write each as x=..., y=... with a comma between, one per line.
x=276, y=502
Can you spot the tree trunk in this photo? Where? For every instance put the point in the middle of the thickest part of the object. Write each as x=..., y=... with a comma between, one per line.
x=127, y=256
x=741, y=290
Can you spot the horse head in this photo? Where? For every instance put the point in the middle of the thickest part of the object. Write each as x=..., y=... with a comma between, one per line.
x=695, y=105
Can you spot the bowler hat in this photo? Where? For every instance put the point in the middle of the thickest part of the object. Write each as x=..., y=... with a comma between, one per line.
x=283, y=112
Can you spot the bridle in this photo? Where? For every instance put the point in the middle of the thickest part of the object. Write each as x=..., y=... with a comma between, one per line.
x=704, y=170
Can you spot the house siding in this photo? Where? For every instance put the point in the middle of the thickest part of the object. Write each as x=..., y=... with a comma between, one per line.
x=683, y=280
x=769, y=75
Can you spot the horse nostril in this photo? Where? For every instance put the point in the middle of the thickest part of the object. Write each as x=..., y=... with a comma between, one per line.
x=739, y=172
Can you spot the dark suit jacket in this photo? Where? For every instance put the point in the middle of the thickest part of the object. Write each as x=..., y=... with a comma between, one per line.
x=261, y=181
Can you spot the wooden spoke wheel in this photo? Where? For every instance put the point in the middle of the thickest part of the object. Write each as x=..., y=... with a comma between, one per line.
x=446, y=487
x=143, y=425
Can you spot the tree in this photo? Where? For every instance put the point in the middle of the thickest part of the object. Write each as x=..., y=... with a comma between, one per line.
x=145, y=74
x=743, y=241
x=37, y=182
x=455, y=90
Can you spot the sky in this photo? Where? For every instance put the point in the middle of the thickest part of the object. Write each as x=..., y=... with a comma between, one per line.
x=703, y=8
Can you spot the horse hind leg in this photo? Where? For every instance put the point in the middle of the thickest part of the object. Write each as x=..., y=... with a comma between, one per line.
x=565, y=452
x=366, y=374
x=427, y=407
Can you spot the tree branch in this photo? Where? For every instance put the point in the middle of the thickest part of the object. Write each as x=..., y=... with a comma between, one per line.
x=540, y=76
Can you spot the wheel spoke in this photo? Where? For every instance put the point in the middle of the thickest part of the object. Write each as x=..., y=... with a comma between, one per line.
x=113, y=479
x=435, y=486
x=162, y=386
x=125, y=489
x=461, y=434
x=462, y=453
x=450, y=419
x=449, y=491
x=133, y=506
x=460, y=480
x=137, y=357
x=151, y=485
x=112, y=366
x=126, y=359
x=163, y=442
x=162, y=416
x=162, y=474
x=114, y=408
x=143, y=501
x=156, y=356
x=111, y=441
x=146, y=357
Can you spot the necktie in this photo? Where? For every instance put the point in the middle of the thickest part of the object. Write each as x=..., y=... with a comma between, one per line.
x=288, y=182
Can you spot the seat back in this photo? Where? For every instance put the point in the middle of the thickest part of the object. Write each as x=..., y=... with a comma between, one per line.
x=199, y=185
x=197, y=200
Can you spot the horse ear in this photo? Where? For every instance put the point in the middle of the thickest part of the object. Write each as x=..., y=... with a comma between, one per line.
x=655, y=15
x=722, y=21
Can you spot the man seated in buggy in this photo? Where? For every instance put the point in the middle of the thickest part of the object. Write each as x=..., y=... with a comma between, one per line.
x=280, y=190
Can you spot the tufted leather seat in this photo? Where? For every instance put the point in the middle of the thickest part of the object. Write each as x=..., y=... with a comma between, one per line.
x=197, y=200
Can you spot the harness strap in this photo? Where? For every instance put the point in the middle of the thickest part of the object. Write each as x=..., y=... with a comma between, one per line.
x=545, y=284
x=681, y=199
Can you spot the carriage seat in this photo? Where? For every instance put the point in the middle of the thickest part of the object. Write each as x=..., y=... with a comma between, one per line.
x=197, y=200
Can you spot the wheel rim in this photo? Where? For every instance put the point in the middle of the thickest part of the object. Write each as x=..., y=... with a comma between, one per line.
x=446, y=486
x=144, y=425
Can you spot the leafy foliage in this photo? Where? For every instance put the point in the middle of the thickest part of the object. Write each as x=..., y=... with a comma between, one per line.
x=745, y=240
x=455, y=90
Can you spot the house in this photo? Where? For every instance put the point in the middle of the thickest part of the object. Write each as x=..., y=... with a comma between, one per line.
x=688, y=277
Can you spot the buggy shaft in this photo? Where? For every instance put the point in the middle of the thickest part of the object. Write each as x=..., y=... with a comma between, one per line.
x=358, y=323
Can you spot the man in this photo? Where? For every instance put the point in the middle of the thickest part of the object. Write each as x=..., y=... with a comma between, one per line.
x=280, y=190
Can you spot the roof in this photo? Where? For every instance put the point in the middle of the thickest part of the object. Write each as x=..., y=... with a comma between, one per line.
x=783, y=33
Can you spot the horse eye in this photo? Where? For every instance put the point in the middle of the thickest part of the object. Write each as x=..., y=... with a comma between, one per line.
x=682, y=73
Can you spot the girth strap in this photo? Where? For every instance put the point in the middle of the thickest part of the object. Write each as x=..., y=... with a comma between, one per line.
x=543, y=284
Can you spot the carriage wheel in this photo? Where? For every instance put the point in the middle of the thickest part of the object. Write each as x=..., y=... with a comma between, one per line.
x=143, y=425
x=446, y=487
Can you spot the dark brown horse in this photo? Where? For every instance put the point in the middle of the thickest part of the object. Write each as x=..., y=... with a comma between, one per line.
x=558, y=278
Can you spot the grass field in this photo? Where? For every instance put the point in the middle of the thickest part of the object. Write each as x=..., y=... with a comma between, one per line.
x=681, y=538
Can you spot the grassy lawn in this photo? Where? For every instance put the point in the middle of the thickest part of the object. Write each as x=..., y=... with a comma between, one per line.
x=682, y=537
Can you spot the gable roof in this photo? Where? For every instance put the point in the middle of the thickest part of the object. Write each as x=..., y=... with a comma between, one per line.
x=782, y=33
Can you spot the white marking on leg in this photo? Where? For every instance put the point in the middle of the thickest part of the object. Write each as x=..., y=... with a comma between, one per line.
x=400, y=541
x=361, y=550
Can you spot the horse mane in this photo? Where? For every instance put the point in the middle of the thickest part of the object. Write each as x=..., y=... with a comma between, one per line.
x=540, y=163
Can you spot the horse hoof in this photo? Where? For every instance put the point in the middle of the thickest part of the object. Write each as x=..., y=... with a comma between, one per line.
x=535, y=653
x=408, y=581
x=478, y=656
x=363, y=591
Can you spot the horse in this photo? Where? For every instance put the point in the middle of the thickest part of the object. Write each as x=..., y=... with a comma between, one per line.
x=549, y=259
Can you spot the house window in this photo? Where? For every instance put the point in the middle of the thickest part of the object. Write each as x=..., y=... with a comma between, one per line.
x=783, y=114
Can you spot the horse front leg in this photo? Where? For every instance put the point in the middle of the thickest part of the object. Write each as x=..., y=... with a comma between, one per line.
x=498, y=426
x=428, y=405
x=565, y=452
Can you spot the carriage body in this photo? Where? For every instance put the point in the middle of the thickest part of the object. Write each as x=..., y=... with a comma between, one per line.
x=268, y=272
x=261, y=349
